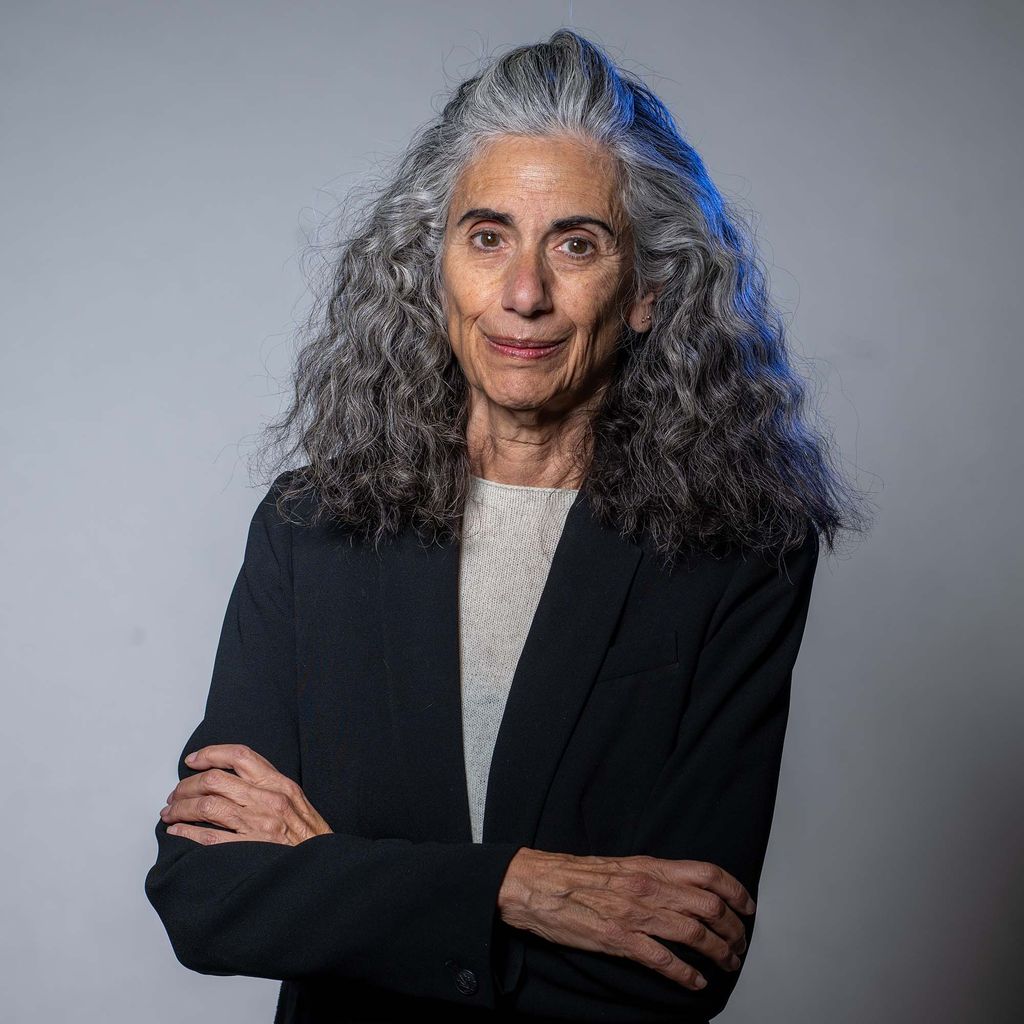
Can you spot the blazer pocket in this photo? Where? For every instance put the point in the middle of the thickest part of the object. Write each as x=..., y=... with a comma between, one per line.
x=631, y=657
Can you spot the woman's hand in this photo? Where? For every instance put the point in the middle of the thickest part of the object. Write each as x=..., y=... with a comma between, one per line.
x=258, y=803
x=616, y=904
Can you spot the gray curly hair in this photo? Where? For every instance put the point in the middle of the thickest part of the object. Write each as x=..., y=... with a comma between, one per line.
x=701, y=440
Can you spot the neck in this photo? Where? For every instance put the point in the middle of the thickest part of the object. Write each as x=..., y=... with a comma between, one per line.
x=524, y=447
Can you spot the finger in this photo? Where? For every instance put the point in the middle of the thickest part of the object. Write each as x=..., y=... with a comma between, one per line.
x=710, y=876
x=693, y=933
x=206, y=836
x=709, y=908
x=215, y=809
x=642, y=880
x=635, y=902
x=647, y=951
x=215, y=780
x=248, y=763
x=280, y=815
x=652, y=884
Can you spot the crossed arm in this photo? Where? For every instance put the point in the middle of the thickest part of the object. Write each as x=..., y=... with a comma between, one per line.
x=244, y=892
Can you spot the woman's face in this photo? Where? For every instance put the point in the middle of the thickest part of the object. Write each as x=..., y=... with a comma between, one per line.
x=536, y=253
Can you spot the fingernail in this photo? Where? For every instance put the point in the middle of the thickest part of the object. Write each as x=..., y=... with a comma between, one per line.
x=750, y=907
x=190, y=758
x=734, y=963
x=164, y=810
x=701, y=981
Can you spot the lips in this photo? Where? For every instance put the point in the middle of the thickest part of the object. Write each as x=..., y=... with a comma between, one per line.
x=523, y=348
x=523, y=342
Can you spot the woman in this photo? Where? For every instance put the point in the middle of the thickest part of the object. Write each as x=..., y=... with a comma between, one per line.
x=497, y=713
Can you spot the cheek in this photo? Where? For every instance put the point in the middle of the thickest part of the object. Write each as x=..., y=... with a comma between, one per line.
x=597, y=334
x=466, y=286
x=593, y=304
x=590, y=358
x=452, y=287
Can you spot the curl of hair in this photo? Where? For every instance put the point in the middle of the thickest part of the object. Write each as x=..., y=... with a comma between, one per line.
x=702, y=440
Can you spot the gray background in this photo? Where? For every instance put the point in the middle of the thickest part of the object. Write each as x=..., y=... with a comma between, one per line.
x=163, y=167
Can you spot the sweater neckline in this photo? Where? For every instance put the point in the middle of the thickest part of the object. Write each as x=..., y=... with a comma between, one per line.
x=481, y=482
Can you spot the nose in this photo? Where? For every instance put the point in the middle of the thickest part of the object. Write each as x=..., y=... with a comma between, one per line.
x=526, y=290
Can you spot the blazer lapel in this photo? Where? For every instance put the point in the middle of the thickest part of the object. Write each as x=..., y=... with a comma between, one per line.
x=419, y=588
x=590, y=574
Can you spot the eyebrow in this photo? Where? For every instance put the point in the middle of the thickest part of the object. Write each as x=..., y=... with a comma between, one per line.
x=562, y=224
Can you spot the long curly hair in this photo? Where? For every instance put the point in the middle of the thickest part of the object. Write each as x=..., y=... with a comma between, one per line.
x=701, y=441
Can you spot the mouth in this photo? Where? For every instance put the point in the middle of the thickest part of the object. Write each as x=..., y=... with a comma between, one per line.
x=523, y=348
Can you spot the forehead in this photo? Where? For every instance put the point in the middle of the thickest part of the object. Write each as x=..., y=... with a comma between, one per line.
x=530, y=172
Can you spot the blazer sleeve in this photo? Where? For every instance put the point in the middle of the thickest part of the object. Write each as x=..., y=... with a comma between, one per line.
x=713, y=801
x=388, y=912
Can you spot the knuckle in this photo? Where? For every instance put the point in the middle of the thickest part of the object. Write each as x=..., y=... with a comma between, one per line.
x=660, y=957
x=713, y=906
x=708, y=873
x=640, y=883
x=206, y=805
x=727, y=958
x=642, y=862
x=649, y=952
x=614, y=934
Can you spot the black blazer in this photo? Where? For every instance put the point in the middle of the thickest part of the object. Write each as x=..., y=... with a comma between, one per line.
x=646, y=715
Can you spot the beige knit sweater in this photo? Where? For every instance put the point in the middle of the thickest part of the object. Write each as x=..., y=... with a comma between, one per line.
x=510, y=536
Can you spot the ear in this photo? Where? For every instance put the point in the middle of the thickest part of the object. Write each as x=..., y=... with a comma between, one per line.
x=640, y=312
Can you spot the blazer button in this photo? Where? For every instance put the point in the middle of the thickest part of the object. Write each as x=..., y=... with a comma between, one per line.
x=465, y=982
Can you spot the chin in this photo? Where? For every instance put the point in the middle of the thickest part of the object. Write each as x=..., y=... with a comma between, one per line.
x=518, y=397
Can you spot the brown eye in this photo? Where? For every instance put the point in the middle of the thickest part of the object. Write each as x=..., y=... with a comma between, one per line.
x=489, y=234
x=578, y=252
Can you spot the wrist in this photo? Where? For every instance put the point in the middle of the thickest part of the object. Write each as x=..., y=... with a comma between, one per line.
x=514, y=894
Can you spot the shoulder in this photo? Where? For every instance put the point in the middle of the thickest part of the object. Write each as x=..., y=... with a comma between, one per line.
x=288, y=500
x=270, y=528
x=770, y=582
x=727, y=561
x=786, y=564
